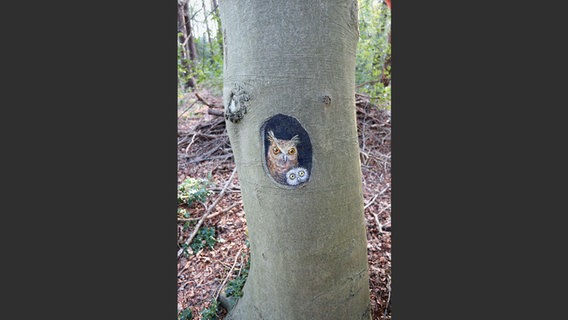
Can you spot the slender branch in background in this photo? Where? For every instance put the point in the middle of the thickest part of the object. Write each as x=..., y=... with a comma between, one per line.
x=194, y=14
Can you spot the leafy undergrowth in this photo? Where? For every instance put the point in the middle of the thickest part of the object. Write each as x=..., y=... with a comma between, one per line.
x=218, y=256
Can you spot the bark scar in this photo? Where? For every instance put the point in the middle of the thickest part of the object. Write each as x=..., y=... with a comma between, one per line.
x=238, y=104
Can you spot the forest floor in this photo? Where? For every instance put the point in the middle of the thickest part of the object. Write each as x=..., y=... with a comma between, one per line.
x=204, y=152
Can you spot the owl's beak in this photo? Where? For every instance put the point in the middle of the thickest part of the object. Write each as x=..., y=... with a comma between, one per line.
x=285, y=157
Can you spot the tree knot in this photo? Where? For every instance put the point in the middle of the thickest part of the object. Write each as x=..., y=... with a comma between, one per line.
x=238, y=104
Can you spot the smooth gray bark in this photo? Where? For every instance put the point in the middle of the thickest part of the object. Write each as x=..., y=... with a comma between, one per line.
x=308, y=243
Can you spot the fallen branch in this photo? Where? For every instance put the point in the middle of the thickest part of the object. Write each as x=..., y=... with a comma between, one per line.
x=388, y=300
x=215, y=112
x=383, y=209
x=223, y=211
x=210, y=216
x=212, y=149
x=223, y=156
x=371, y=202
x=232, y=189
x=228, y=274
x=379, y=225
x=385, y=189
x=190, y=143
x=212, y=124
x=186, y=109
x=198, y=225
x=375, y=197
x=203, y=100
x=201, y=134
x=378, y=121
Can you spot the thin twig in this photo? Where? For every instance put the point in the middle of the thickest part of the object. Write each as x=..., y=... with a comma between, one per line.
x=191, y=142
x=210, y=216
x=205, y=135
x=223, y=211
x=366, y=156
x=375, y=197
x=210, y=152
x=383, y=209
x=228, y=275
x=388, y=301
x=223, y=156
x=379, y=225
x=233, y=188
x=187, y=219
x=198, y=225
x=186, y=109
x=371, y=202
x=385, y=189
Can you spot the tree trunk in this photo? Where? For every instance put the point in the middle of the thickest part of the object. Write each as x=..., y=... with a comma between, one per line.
x=190, y=53
x=289, y=77
x=218, y=20
x=385, y=80
x=190, y=43
x=207, y=30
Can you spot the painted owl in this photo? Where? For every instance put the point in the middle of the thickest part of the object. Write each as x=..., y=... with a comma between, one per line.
x=282, y=155
x=296, y=176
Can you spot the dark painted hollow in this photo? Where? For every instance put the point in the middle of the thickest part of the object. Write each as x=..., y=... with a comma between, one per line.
x=285, y=127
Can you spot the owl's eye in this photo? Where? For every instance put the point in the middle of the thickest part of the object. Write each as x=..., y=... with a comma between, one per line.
x=301, y=173
x=276, y=150
x=292, y=176
x=292, y=151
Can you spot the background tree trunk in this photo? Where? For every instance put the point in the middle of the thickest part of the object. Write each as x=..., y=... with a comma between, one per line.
x=206, y=15
x=308, y=243
x=219, y=37
x=184, y=25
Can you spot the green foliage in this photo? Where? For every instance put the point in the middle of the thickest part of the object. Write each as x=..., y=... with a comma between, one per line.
x=372, y=72
x=191, y=190
x=373, y=49
x=209, y=67
x=182, y=212
x=185, y=314
x=211, y=312
x=204, y=237
x=235, y=287
x=185, y=252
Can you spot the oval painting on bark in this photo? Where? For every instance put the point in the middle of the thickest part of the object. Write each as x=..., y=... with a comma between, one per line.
x=287, y=150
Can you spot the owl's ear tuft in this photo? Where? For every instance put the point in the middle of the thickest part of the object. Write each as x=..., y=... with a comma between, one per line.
x=271, y=136
x=295, y=139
